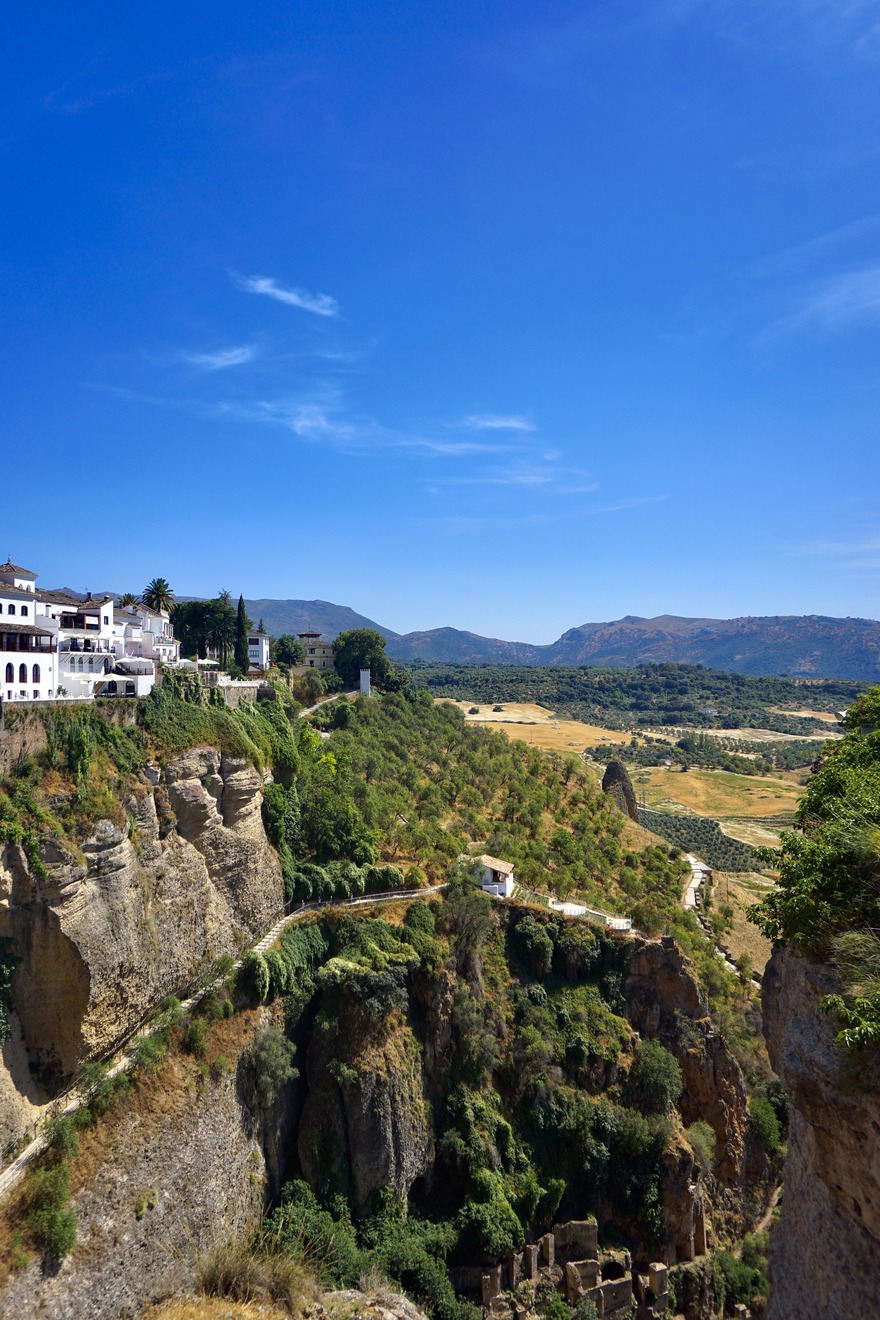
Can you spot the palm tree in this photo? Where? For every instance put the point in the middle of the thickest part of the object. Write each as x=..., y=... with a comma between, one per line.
x=158, y=596
x=127, y=599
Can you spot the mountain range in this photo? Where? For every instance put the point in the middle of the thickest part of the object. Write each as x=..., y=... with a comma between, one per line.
x=802, y=646
x=808, y=646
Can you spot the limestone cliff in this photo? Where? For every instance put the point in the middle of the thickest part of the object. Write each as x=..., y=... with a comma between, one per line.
x=825, y=1251
x=182, y=1171
x=103, y=934
x=366, y=1123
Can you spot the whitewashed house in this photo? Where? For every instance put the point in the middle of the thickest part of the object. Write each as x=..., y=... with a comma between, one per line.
x=258, y=650
x=497, y=876
x=56, y=647
x=28, y=639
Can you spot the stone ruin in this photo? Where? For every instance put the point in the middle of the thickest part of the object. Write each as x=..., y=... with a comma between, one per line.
x=569, y=1260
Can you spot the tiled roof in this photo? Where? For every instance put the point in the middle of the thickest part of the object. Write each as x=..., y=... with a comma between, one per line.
x=495, y=864
x=9, y=567
x=20, y=593
x=26, y=628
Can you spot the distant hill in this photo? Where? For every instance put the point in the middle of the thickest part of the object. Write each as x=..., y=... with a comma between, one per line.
x=809, y=646
x=295, y=616
x=799, y=646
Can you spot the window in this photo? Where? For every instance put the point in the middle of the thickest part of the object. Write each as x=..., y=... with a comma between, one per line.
x=10, y=674
x=253, y=641
x=129, y=688
x=36, y=694
x=22, y=673
x=10, y=609
x=24, y=609
x=112, y=687
x=106, y=618
x=35, y=674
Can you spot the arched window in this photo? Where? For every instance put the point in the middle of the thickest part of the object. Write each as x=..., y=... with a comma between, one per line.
x=35, y=674
x=24, y=609
x=10, y=673
x=10, y=609
x=22, y=673
x=112, y=687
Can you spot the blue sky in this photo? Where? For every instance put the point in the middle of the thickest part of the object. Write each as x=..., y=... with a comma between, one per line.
x=502, y=315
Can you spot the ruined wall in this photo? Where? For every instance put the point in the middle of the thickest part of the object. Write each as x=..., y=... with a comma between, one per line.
x=107, y=933
x=825, y=1250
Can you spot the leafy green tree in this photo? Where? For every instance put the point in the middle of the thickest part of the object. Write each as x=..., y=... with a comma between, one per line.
x=286, y=650
x=268, y=1065
x=221, y=633
x=157, y=595
x=242, y=623
x=654, y=1078
x=361, y=648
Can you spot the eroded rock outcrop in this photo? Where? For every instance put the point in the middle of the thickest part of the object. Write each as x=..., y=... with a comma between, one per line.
x=665, y=1000
x=618, y=785
x=187, y=875
x=825, y=1250
x=366, y=1122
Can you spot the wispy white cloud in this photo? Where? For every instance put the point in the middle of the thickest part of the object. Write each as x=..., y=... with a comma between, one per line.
x=222, y=358
x=859, y=554
x=529, y=476
x=324, y=421
x=847, y=299
x=627, y=502
x=498, y=422
x=852, y=296
x=321, y=304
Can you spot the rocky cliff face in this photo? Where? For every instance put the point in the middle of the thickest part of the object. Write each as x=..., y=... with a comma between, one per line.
x=106, y=933
x=184, y=1172
x=824, y=1252
x=366, y=1123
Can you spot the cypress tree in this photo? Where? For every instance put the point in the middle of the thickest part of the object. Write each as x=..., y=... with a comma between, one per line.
x=241, y=644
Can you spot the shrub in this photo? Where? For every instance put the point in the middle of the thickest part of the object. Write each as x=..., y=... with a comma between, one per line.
x=194, y=1040
x=764, y=1124
x=253, y=977
x=702, y=1138
x=654, y=1080
x=52, y=1224
x=63, y=1137
x=268, y=1065
x=534, y=946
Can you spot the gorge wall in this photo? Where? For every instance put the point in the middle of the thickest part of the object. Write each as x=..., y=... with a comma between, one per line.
x=102, y=933
x=825, y=1249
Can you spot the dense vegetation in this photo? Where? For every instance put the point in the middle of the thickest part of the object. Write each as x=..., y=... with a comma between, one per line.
x=829, y=875
x=545, y=1104
x=703, y=836
x=647, y=695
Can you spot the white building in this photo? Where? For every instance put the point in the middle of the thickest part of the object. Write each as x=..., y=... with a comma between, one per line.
x=258, y=650
x=497, y=876
x=54, y=646
x=28, y=639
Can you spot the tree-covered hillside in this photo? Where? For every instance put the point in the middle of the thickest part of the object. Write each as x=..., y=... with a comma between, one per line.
x=649, y=695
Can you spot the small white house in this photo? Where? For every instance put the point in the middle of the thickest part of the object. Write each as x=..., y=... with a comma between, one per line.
x=258, y=650
x=497, y=876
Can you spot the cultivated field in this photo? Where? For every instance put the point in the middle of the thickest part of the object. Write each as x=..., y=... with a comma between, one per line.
x=539, y=726
x=716, y=792
x=825, y=716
